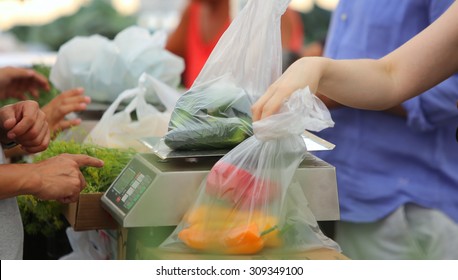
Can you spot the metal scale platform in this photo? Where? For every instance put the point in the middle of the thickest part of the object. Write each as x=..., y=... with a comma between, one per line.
x=156, y=189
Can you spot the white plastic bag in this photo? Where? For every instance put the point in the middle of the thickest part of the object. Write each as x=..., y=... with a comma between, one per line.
x=215, y=113
x=119, y=130
x=90, y=245
x=105, y=68
x=250, y=49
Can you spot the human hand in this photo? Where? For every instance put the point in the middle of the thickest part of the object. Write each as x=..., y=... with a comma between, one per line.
x=16, y=82
x=60, y=177
x=25, y=124
x=69, y=101
x=299, y=75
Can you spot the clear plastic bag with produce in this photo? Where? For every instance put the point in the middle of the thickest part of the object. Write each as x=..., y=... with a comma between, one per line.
x=123, y=129
x=249, y=203
x=104, y=68
x=210, y=116
x=215, y=113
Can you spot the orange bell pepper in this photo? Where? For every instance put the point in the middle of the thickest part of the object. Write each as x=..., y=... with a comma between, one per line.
x=243, y=240
x=194, y=238
x=240, y=240
x=229, y=231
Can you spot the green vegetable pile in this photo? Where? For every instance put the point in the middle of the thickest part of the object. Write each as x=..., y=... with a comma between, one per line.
x=214, y=116
x=45, y=96
x=45, y=216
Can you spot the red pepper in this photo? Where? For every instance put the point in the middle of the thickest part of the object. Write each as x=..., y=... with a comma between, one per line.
x=240, y=187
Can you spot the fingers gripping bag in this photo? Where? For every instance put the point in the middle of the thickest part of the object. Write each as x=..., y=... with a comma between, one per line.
x=249, y=203
x=139, y=119
x=215, y=112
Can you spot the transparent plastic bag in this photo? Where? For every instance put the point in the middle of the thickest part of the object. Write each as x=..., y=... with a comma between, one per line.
x=117, y=129
x=215, y=113
x=249, y=203
x=105, y=68
x=89, y=245
x=210, y=116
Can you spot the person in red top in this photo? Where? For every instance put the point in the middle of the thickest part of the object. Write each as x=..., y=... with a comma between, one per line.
x=202, y=24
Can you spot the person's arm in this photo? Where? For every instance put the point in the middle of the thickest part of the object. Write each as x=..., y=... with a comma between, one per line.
x=16, y=82
x=58, y=178
x=292, y=31
x=427, y=59
x=176, y=43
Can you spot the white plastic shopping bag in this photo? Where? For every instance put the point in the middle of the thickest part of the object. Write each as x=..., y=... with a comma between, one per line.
x=215, y=113
x=104, y=68
x=119, y=129
x=90, y=245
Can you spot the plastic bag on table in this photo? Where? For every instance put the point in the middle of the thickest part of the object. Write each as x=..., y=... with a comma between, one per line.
x=105, y=68
x=89, y=245
x=117, y=129
x=249, y=203
x=215, y=112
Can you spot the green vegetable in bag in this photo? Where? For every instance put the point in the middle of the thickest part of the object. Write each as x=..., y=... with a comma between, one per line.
x=210, y=117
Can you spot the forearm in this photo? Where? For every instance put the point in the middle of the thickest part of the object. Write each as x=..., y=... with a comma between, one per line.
x=176, y=42
x=363, y=83
x=421, y=63
x=18, y=179
x=397, y=110
x=418, y=65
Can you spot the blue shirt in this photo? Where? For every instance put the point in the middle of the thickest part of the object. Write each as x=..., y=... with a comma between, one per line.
x=382, y=160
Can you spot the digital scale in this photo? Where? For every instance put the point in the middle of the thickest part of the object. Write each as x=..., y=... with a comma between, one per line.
x=156, y=189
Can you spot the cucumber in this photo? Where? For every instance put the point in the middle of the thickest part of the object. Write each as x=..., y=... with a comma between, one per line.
x=215, y=116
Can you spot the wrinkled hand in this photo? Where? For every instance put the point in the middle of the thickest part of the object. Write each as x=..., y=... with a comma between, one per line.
x=67, y=102
x=25, y=124
x=61, y=178
x=16, y=82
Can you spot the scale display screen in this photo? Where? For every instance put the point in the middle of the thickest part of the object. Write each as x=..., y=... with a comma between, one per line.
x=130, y=185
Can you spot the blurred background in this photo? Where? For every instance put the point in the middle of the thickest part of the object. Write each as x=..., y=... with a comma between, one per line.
x=31, y=31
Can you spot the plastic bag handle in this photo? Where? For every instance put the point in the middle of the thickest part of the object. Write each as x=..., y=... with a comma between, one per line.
x=166, y=95
x=123, y=96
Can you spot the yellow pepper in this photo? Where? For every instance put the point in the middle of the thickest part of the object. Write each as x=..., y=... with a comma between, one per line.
x=229, y=231
x=240, y=240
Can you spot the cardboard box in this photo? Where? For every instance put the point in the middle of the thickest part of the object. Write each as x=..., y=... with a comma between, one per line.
x=87, y=213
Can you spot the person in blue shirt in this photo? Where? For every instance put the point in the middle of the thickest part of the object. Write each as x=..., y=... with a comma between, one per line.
x=397, y=169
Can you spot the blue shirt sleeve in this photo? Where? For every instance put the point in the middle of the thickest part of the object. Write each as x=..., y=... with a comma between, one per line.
x=437, y=106
x=434, y=108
